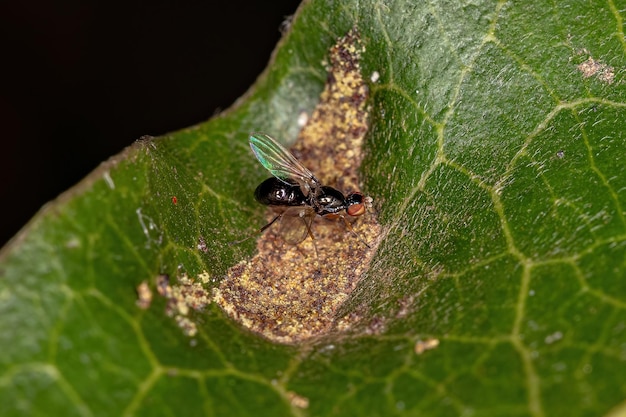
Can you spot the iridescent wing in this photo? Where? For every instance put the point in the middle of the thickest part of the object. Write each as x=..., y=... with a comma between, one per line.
x=295, y=224
x=281, y=163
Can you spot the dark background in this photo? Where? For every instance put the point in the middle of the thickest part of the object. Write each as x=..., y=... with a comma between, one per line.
x=81, y=80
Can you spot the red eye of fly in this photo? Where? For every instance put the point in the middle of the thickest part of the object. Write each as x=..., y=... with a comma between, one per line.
x=356, y=209
x=355, y=204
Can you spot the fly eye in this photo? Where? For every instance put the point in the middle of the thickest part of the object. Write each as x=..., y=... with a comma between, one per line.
x=356, y=209
x=355, y=205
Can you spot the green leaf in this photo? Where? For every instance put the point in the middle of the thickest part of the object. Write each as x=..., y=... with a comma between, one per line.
x=496, y=159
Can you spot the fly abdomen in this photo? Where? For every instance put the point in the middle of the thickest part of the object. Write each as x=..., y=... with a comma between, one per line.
x=275, y=192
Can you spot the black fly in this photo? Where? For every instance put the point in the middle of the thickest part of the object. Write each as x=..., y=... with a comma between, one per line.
x=295, y=187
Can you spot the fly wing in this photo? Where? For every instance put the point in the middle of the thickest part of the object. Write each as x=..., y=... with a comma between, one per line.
x=281, y=163
x=295, y=224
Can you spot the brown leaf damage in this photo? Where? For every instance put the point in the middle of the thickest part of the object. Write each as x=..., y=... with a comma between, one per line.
x=288, y=293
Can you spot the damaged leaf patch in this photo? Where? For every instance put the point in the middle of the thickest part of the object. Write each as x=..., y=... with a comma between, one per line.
x=292, y=293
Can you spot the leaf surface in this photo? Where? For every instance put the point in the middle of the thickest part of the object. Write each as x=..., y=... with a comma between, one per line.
x=496, y=159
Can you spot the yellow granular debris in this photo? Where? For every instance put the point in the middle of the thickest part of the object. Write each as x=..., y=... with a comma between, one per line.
x=185, y=295
x=144, y=295
x=422, y=346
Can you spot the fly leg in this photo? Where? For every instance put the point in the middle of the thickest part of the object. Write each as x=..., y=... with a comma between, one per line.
x=310, y=233
x=351, y=229
x=261, y=230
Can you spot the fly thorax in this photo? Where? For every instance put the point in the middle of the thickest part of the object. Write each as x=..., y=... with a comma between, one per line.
x=330, y=201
